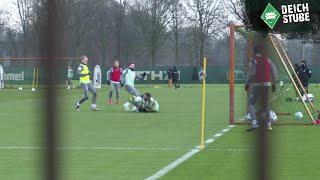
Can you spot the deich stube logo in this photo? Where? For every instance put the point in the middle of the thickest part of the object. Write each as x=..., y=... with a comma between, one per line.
x=295, y=13
x=292, y=13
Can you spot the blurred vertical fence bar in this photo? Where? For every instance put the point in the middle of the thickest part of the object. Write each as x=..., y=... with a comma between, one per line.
x=52, y=47
x=231, y=73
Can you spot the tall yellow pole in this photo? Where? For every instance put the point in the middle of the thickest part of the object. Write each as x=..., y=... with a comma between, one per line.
x=203, y=106
x=33, y=77
x=37, y=80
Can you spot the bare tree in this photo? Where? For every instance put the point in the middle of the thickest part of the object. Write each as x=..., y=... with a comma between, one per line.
x=207, y=15
x=152, y=19
x=176, y=24
x=121, y=10
x=237, y=9
x=80, y=21
x=37, y=20
x=25, y=14
x=191, y=44
x=140, y=32
x=132, y=42
x=2, y=22
x=104, y=25
x=11, y=41
x=2, y=28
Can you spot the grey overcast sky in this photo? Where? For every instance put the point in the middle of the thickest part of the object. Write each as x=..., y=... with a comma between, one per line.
x=12, y=16
x=11, y=9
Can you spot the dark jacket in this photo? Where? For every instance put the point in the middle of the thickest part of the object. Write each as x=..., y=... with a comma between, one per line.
x=305, y=75
x=170, y=74
x=175, y=75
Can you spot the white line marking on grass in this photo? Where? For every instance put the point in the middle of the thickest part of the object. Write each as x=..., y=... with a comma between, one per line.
x=229, y=149
x=20, y=101
x=125, y=148
x=218, y=135
x=225, y=130
x=174, y=164
x=209, y=141
x=186, y=156
x=122, y=148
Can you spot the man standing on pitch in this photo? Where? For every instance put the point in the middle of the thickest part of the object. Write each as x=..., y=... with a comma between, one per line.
x=175, y=77
x=305, y=75
x=114, y=80
x=169, y=73
x=86, y=84
x=262, y=77
x=1, y=77
x=69, y=77
x=128, y=79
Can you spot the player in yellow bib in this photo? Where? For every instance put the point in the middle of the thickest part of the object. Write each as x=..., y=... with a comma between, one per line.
x=86, y=85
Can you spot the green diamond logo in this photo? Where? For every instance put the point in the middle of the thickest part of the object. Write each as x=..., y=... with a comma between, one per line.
x=270, y=16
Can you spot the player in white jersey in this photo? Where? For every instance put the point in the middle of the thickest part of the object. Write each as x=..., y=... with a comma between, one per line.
x=128, y=78
x=69, y=78
x=143, y=103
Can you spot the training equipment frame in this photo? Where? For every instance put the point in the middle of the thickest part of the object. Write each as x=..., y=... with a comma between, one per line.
x=286, y=63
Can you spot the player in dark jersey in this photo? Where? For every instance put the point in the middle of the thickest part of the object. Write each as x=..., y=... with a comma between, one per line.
x=175, y=77
x=305, y=75
x=169, y=73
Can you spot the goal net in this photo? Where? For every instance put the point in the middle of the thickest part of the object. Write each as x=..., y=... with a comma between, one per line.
x=290, y=102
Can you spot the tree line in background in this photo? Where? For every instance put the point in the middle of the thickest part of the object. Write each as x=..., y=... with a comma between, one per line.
x=146, y=32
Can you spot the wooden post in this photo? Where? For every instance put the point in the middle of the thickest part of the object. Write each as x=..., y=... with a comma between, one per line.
x=203, y=104
x=231, y=73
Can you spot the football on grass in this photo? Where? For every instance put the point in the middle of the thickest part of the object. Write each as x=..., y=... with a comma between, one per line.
x=298, y=115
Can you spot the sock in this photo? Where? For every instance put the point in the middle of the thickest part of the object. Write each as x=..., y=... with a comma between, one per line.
x=117, y=95
x=110, y=95
x=269, y=124
x=126, y=106
x=254, y=123
x=135, y=109
x=93, y=105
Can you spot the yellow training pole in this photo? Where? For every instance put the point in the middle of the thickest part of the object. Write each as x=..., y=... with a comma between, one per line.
x=203, y=108
x=33, y=77
x=37, y=80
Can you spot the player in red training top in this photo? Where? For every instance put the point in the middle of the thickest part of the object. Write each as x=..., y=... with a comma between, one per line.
x=114, y=80
x=262, y=77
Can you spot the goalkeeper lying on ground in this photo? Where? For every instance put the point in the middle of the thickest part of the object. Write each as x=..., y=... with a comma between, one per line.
x=143, y=103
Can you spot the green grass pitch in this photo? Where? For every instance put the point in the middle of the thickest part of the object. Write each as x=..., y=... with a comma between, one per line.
x=113, y=144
